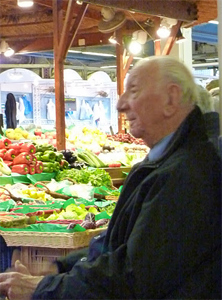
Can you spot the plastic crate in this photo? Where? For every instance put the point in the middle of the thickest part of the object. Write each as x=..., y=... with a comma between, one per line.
x=36, y=258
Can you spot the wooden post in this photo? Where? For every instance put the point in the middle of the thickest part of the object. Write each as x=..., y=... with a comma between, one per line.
x=59, y=76
x=120, y=76
x=61, y=46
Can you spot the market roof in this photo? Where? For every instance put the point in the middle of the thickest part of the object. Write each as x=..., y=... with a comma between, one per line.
x=31, y=29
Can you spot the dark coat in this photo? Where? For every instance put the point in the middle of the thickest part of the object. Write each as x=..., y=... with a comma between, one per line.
x=10, y=111
x=163, y=241
x=212, y=123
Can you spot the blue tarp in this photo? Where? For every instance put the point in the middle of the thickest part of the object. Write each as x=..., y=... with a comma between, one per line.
x=205, y=33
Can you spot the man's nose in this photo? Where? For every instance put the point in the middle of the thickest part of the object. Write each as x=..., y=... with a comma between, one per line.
x=121, y=103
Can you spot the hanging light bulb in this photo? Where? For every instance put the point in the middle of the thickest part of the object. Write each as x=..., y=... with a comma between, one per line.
x=25, y=3
x=9, y=52
x=139, y=38
x=163, y=32
x=4, y=48
x=165, y=27
x=135, y=47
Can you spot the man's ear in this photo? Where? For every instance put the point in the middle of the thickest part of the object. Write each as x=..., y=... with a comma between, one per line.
x=172, y=99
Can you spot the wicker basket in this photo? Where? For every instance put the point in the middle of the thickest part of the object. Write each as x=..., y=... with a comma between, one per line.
x=61, y=240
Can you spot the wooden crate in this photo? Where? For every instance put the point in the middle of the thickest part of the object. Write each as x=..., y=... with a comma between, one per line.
x=118, y=175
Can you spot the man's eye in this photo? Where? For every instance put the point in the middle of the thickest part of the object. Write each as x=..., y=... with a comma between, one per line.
x=133, y=91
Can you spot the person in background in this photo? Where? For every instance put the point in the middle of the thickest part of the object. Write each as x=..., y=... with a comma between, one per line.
x=163, y=240
x=10, y=111
x=206, y=103
x=214, y=90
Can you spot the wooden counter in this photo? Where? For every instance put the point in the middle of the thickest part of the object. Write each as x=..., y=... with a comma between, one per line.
x=118, y=175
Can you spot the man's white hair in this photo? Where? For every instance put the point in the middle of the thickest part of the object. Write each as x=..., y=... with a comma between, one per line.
x=171, y=70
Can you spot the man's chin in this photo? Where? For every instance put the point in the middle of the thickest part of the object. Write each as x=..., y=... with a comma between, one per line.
x=135, y=133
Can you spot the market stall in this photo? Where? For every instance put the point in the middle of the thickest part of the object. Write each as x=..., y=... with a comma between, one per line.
x=59, y=200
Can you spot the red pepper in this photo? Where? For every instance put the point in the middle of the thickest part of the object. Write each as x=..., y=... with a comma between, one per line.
x=16, y=147
x=9, y=155
x=31, y=169
x=28, y=147
x=34, y=159
x=22, y=158
x=9, y=163
x=22, y=169
x=4, y=143
x=115, y=165
x=3, y=151
x=39, y=167
x=1, y=155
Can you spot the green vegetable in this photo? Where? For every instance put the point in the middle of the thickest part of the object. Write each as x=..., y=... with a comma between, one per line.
x=90, y=158
x=44, y=147
x=64, y=164
x=48, y=156
x=56, y=166
x=38, y=155
x=97, y=177
x=48, y=167
x=59, y=156
x=4, y=168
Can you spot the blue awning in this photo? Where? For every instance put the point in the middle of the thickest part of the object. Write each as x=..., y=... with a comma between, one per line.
x=205, y=33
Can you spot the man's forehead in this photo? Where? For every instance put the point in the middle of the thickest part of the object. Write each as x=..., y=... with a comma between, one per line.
x=139, y=75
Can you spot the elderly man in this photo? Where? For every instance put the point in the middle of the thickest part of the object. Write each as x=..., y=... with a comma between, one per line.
x=163, y=241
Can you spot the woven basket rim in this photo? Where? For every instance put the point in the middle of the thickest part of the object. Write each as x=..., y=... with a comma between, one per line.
x=50, y=239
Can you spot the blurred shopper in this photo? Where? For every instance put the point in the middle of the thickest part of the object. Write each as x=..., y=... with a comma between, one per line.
x=207, y=105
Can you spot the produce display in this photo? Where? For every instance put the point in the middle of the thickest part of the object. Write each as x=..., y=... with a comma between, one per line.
x=79, y=194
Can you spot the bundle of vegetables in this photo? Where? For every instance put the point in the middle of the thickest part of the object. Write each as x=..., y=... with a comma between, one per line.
x=51, y=159
x=72, y=159
x=25, y=163
x=19, y=158
x=74, y=213
x=97, y=177
x=90, y=158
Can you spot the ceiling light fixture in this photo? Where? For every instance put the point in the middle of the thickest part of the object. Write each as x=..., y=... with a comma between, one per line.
x=79, y=2
x=4, y=48
x=139, y=38
x=165, y=27
x=9, y=52
x=25, y=3
x=112, y=39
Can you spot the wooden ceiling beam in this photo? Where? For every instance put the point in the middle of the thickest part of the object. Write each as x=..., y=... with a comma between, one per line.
x=45, y=43
x=171, y=39
x=66, y=27
x=76, y=26
x=92, y=14
x=180, y=9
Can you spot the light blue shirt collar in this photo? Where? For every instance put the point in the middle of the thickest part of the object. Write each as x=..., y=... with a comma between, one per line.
x=157, y=151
